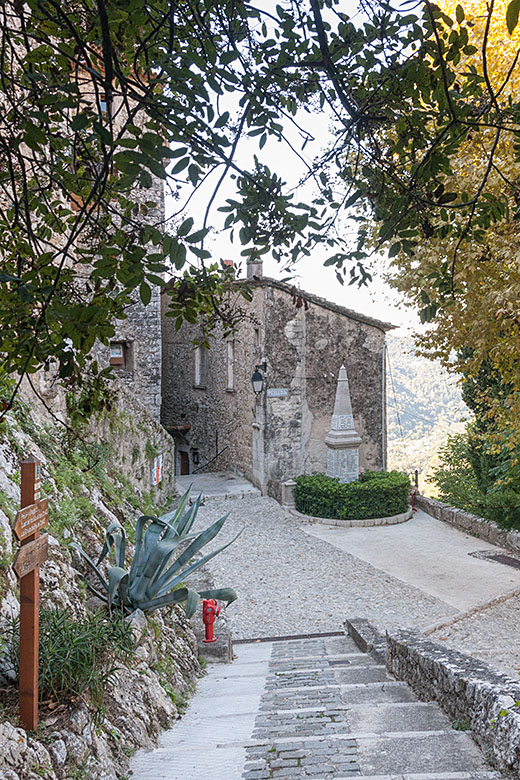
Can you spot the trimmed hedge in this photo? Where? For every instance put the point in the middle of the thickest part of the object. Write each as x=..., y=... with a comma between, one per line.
x=374, y=494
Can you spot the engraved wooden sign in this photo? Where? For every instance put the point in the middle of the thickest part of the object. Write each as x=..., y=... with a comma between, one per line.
x=31, y=519
x=31, y=555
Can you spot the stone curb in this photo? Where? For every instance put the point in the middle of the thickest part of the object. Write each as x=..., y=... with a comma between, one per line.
x=465, y=521
x=369, y=523
x=469, y=690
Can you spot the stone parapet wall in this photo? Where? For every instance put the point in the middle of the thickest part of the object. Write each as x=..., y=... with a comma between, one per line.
x=469, y=691
x=465, y=521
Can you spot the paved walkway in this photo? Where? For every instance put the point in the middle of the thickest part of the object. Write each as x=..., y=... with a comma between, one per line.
x=428, y=554
x=316, y=709
x=293, y=577
x=218, y=484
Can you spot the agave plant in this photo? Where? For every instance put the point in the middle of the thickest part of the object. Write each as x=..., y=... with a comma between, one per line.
x=162, y=562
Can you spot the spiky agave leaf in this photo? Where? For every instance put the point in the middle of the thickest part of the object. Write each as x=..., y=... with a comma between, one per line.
x=79, y=549
x=219, y=594
x=152, y=581
x=116, y=577
x=193, y=567
x=115, y=541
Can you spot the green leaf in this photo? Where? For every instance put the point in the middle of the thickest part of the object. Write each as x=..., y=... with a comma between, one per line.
x=459, y=13
x=185, y=227
x=79, y=122
x=180, y=166
x=513, y=9
x=145, y=293
x=222, y=120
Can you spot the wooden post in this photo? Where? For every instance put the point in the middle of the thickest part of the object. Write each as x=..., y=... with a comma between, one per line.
x=29, y=608
x=416, y=479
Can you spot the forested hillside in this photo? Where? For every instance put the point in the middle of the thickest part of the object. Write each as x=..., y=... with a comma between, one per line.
x=424, y=409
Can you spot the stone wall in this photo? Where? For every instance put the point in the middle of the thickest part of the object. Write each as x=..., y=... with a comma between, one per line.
x=465, y=521
x=280, y=433
x=212, y=423
x=137, y=442
x=468, y=690
x=140, y=332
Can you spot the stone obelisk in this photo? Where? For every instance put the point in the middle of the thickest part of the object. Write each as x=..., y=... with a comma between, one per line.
x=343, y=440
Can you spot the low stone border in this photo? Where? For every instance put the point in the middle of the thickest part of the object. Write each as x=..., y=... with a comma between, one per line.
x=402, y=518
x=465, y=521
x=468, y=690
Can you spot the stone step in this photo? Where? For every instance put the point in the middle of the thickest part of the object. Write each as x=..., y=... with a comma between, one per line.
x=368, y=673
x=408, y=716
x=436, y=776
x=337, y=659
x=376, y=693
x=421, y=753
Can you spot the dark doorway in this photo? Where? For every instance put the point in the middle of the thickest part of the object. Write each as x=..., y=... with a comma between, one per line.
x=185, y=462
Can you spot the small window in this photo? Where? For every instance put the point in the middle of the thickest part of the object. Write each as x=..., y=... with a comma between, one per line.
x=117, y=353
x=122, y=354
x=200, y=367
x=257, y=337
x=230, y=346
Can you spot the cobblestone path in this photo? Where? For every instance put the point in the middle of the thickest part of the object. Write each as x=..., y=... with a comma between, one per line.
x=315, y=709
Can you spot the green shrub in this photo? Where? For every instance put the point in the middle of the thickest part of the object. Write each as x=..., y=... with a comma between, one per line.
x=375, y=494
x=460, y=486
x=77, y=655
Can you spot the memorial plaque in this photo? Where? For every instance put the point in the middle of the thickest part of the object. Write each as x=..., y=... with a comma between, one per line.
x=31, y=519
x=31, y=555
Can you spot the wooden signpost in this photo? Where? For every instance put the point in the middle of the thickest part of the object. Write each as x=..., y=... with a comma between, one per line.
x=32, y=516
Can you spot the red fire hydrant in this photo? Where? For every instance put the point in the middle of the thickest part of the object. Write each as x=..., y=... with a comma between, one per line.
x=210, y=611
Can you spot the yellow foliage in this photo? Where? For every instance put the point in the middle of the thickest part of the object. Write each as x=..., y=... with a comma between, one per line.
x=484, y=311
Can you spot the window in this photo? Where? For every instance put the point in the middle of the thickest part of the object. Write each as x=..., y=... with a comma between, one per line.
x=122, y=354
x=200, y=367
x=117, y=353
x=230, y=347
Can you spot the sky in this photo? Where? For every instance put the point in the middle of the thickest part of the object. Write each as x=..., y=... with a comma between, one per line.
x=377, y=300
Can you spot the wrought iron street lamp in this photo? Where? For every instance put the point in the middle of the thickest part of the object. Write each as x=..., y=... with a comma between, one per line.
x=257, y=380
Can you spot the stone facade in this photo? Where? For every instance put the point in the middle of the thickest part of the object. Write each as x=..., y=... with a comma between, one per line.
x=138, y=337
x=218, y=422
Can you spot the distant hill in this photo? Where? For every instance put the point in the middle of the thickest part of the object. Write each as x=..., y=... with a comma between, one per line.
x=428, y=404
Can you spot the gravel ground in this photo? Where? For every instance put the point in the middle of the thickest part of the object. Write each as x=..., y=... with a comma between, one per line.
x=492, y=635
x=291, y=583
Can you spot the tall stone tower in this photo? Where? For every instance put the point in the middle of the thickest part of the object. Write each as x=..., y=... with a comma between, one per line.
x=343, y=440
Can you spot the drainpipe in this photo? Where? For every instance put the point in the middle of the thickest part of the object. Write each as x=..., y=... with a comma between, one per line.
x=383, y=410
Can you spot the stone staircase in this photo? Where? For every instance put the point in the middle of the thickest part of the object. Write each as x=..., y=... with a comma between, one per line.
x=316, y=709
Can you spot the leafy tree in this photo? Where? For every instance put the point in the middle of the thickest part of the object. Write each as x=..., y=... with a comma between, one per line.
x=98, y=96
x=464, y=275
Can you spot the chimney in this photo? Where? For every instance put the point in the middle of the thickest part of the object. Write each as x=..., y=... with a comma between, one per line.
x=254, y=269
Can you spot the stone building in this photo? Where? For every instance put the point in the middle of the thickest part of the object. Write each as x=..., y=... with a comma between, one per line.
x=298, y=342
x=135, y=351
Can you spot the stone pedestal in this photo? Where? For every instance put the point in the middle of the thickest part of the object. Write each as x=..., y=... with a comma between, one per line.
x=343, y=440
x=288, y=493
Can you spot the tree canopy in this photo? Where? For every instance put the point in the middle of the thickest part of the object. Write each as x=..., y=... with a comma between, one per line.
x=100, y=99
